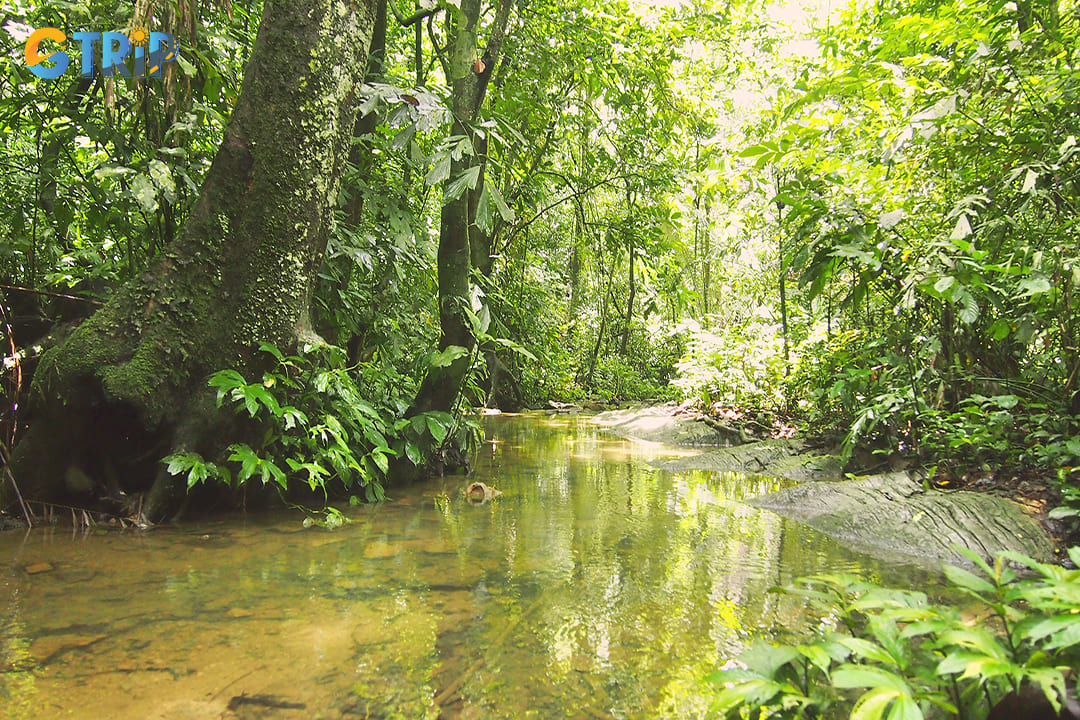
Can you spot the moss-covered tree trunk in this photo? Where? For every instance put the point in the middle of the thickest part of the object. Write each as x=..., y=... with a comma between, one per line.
x=129, y=386
x=470, y=74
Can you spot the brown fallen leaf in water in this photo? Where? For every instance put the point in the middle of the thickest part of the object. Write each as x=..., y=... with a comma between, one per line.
x=480, y=492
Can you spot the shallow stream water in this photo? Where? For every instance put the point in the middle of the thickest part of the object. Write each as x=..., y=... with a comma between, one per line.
x=596, y=586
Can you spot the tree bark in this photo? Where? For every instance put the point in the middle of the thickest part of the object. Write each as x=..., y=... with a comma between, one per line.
x=131, y=381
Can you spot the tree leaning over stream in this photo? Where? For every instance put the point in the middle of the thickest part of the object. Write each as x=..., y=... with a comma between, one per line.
x=129, y=386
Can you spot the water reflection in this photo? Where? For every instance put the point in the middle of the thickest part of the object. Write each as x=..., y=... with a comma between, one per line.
x=595, y=587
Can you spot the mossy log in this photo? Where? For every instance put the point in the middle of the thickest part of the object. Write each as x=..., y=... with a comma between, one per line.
x=129, y=386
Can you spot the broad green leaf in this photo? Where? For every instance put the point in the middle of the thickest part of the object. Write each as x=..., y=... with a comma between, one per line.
x=519, y=349
x=1034, y=285
x=161, y=175
x=815, y=655
x=142, y=189
x=943, y=284
x=867, y=649
x=872, y=704
x=964, y=579
x=447, y=356
x=905, y=709
x=437, y=429
x=1063, y=631
x=974, y=638
x=856, y=676
x=413, y=453
x=753, y=151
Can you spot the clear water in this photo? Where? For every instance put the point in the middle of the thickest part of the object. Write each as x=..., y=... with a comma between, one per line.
x=596, y=586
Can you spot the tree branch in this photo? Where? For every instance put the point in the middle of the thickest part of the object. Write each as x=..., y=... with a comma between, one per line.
x=416, y=17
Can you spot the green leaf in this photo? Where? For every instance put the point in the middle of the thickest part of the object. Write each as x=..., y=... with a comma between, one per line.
x=974, y=638
x=437, y=429
x=142, y=189
x=440, y=171
x=226, y=381
x=1030, y=181
x=447, y=356
x=964, y=579
x=413, y=453
x=857, y=676
x=507, y=214
x=867, y=650
x=466, y=181
x=381, y=461
x=161, y=175
x=872, y=704
x=519, y=349
x=293, y=417
x=1063, y=631
x=943, y=284
x=272, y=349
x=962, y=229
x=889, y=220
x=1034, y=285
x=905, y=709
x=249, y=461
x=485, y=213
x=275, y=473
x=181, y=462
x=815, y=655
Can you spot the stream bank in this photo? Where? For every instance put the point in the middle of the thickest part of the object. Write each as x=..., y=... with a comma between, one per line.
x=893, y=515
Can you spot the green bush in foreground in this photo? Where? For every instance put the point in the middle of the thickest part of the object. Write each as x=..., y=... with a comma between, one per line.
x=892, y=654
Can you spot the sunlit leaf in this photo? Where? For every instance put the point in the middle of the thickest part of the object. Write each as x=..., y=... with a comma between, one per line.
x=962, y=229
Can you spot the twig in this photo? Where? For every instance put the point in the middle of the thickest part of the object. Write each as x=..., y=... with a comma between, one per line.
x=14, y=485
x=17, y=390
x=46, y=293
x=236, y=680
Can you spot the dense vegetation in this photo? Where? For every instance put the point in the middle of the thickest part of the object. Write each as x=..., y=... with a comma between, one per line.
x=883, y=652
x=861, y=223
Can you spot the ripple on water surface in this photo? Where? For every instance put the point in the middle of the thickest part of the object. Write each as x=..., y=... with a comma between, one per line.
x=596, y=586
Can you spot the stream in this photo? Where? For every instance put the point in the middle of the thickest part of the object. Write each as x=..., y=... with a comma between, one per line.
x=596, y=586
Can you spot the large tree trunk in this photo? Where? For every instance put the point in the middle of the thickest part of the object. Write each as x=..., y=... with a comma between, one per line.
x=470, y=75
x=131, y=381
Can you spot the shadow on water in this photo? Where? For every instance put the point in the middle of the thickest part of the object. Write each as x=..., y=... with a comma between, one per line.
x=596, y=586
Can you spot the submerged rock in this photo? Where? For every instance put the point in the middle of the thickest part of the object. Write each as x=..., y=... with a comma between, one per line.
x=894, y=516
x=779, y=457
x=479, y=492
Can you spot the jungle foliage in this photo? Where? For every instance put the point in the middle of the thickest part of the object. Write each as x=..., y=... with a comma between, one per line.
x=862, y=222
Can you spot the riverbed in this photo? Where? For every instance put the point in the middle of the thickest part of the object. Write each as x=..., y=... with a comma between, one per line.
x=595, y=586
